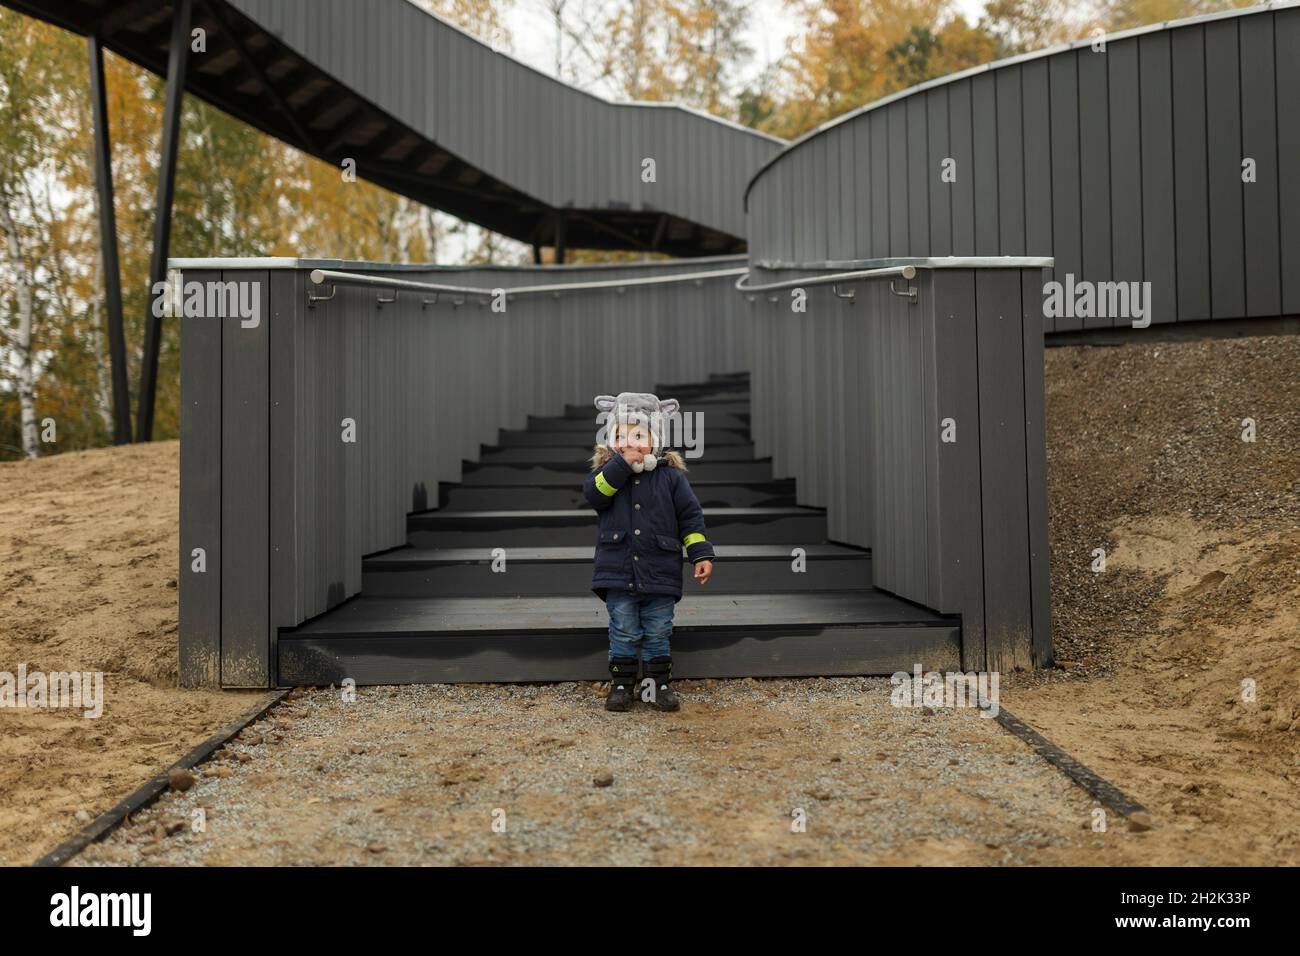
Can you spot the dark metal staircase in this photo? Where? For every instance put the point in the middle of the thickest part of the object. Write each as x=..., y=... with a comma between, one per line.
x=436, y=611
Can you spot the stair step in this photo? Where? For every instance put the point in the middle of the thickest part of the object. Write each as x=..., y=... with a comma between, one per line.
x=712, y=389
x=722, y=405
x=579, y=454
x=548, y=473
x=506, y=529
x=588, y=424
x=465, y=572
x=471, y=639
x=586, y=438
x=567, y=496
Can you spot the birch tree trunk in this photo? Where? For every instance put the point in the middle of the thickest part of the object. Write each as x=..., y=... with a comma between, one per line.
x=22, y=342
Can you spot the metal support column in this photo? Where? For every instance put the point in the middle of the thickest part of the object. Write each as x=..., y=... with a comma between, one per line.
x=177, y=62
x=108, y=245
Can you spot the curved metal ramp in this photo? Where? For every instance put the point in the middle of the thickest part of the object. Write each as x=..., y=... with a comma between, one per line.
x=432, y=113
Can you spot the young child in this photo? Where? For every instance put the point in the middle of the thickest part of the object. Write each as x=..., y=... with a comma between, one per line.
x=647, y=513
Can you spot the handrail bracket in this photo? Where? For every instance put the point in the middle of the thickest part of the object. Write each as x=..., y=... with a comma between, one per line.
x=313, y=298
x=910, y=293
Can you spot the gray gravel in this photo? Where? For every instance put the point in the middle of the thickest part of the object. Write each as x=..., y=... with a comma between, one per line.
x=478, y=774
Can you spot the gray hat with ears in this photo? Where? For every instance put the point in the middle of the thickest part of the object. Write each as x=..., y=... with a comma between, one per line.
x=637, y=408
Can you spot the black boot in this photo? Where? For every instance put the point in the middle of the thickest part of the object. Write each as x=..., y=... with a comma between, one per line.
x=622, y=683
x=660, y=670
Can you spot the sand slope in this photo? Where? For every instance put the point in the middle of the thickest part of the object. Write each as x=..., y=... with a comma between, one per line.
x=88, y=563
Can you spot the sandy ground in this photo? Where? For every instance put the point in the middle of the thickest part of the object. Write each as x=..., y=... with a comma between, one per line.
x=1200, y=594
x=1201, y=590
x=88, y=557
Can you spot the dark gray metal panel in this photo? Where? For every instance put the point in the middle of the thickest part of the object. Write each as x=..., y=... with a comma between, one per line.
x=863, y=186
x=884, y=573
x=1036, y=107
x=1159, y=226
x=286, y=466
x=957, y=509
x=846, y=245
x=1035, y=418
x=839, y=483
x=912, y=534
x=1011, y=164
x=859, y=415
x=819, y=212
x=441, y=95
x=1125, y=133
x=1008, y=610
x=1067, y=247
x=1259, y=137
x=325, y=405
x=811, y=217
x=896, y=115
x=940, y=191
x=1191, y=202
x=1286, y=41
x=1223, y=131
x=828, y=180
x=200, y=514
x=1094, y=171
x=799, y=213
x=245, y=572
x=784, y=226
x=356, y=408
x=880, y=185
x=962, y=147
x=818, y=440
x=985, y=126
x=931, y=533
x=918, y=177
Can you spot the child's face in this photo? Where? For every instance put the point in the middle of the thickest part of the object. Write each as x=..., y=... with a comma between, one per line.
x=636, y=437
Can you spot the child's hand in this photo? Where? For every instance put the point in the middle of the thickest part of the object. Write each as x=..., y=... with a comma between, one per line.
x=703, y=571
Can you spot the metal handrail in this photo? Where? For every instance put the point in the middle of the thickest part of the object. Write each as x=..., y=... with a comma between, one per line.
x=906, y=270
x=832, y=278
x=321, y=276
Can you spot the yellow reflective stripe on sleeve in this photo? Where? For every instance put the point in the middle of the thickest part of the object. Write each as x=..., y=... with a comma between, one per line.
x=604, y=486
x=691, y=539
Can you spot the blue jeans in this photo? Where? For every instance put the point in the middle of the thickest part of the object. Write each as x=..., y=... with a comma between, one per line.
x=639, y=621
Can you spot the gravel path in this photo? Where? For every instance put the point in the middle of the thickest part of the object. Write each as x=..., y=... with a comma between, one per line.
x=476, y=774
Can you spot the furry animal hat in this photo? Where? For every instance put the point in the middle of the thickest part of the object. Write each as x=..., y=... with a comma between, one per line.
x=638, y=408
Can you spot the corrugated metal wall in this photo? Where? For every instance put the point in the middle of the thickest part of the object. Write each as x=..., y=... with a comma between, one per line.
x=1123, y=165
x=850, y=398
x=270, y=490
x=552, y=141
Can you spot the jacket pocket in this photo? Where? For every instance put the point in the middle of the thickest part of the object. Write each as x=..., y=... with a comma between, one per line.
x=611, y=550
x=668, y=543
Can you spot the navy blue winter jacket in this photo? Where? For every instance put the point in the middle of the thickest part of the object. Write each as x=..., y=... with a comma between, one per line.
x=645, y=520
